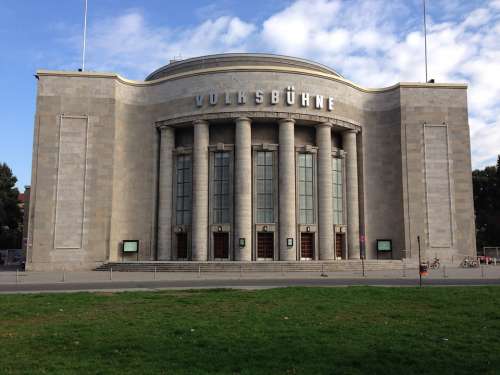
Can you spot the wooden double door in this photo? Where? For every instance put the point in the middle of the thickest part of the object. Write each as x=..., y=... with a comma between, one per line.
x=182, y=245
x=307, y=245
x=265, y=245
x=339, y=246
x=221, y=245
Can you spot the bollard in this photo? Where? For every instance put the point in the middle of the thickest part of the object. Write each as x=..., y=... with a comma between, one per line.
x=404, y=269
x=154, y=274
x=110, y=273
x=444, y=272
x=199, y=270
x=63, y=277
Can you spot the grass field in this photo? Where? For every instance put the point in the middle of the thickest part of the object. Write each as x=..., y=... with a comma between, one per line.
x=355, y=330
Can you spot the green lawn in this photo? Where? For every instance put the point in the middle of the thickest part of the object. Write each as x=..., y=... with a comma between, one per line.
x=355, y=330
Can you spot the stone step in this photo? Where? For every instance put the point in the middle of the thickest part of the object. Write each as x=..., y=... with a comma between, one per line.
x=308, y=266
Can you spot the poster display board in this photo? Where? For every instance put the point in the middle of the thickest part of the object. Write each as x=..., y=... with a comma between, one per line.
x=384, y=248
x=130, y=247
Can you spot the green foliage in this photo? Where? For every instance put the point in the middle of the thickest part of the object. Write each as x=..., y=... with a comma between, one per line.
x=354, y=330
x=10, y=214
x=486, y=185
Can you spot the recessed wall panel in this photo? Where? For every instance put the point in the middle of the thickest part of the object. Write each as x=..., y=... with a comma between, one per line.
x=71, y=183
x=437, y=181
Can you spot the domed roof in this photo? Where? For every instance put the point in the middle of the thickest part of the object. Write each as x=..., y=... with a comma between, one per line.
x=237, y=59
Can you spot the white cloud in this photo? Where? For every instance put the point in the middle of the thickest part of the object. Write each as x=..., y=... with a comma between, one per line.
x=373, y=51
x=303, y=27
x=372, y=42
x=128, y=45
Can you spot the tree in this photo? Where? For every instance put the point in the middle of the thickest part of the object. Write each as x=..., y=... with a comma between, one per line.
x=10, y=213
x=486, y=184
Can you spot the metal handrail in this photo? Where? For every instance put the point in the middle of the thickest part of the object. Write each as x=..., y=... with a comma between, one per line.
x=489, y=248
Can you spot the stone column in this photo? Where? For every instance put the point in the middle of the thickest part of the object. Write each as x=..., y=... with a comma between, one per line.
x=167, y=144
x=243, y=189
x=287, y=219
x=325, y=205
x=199, y=235
x=352, y=203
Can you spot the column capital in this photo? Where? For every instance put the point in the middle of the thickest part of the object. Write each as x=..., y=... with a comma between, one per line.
x=166, y=128
x=324, y=124
x=282, y=120
x=351, y=131
x=200, y=122
x=242, y=118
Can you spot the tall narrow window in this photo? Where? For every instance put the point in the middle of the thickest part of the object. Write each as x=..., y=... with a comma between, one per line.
x=265, y=187
x=221, y=188
x=338, y=206
x=306, y=212
x=183, y=189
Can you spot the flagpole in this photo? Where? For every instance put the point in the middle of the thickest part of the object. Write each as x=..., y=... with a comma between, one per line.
x=84, y=34
x=425, y=41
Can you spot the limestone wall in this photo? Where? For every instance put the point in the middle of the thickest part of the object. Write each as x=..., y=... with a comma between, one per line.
x=96, y=151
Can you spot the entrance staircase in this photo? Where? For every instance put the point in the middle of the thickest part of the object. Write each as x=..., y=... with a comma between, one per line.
x=260, y=266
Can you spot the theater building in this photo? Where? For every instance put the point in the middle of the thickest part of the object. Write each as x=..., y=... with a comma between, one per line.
x=246, y=157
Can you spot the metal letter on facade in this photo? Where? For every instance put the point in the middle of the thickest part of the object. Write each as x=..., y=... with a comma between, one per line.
x=275, y=97
x=199, y=100
x=330, y=103
x=242, y=98
x=259, y=97
x=290, y=95
x=304, y=99
x=212, y=98
x=319, y=102
x=227, y=98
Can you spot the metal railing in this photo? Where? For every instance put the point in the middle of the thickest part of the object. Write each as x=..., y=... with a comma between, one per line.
x=490, y=251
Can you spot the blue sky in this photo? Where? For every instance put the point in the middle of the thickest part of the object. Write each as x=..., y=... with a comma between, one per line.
x=374, y=43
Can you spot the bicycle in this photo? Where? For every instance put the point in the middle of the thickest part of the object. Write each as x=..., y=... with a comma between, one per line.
x=469, y=262
x=434, y=265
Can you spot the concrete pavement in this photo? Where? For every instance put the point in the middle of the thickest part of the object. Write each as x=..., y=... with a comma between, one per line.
x=12, y=281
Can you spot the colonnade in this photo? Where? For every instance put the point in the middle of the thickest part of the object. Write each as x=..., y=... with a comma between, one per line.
x=287, y=218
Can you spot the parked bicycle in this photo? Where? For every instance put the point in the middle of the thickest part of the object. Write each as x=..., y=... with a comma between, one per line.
x=434, y=264
x=469, y=262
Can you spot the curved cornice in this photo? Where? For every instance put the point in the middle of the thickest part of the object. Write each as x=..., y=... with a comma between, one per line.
x=311, y=119
x=250, y=68
x=238, y=59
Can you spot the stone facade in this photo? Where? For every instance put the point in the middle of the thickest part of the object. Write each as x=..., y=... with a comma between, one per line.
x=246, y=157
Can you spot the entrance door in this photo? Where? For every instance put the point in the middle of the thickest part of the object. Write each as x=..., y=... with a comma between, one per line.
x=221, y=245
x=182, y=246
x=265, y=245
x=307, y=245
x=339, y=245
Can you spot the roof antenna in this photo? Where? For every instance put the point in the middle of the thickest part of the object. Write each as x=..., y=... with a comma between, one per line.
x=425, y=41
x=84, y=34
